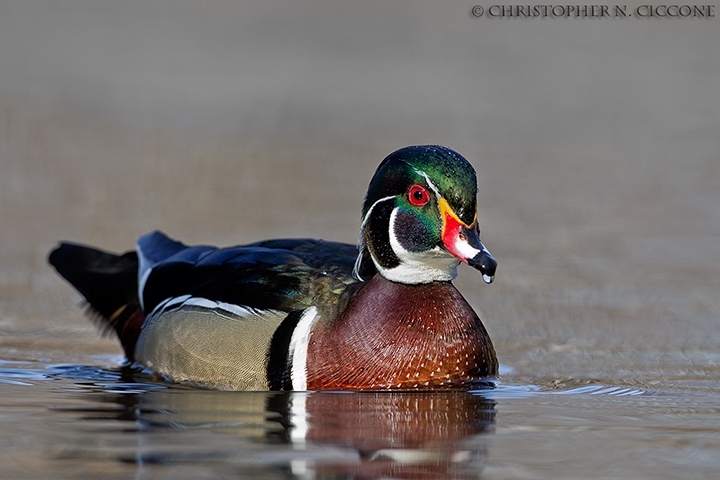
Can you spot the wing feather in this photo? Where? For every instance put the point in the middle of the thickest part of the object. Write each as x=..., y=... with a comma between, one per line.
x=287, y=274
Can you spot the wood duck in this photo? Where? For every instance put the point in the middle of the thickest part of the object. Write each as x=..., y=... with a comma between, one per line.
x=309, y=314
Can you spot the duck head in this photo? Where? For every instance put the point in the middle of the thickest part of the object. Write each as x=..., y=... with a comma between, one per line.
x=420, y=218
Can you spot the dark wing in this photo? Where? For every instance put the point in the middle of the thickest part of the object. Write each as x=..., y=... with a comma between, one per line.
x=285, y=275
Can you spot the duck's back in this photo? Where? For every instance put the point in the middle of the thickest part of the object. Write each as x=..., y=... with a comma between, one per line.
x=286, y=274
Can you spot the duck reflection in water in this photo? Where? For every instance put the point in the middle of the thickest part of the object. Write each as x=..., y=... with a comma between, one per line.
x=340, y=435
x=404, y=435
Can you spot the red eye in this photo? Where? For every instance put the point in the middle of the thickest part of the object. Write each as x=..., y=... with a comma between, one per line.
x=418, y=196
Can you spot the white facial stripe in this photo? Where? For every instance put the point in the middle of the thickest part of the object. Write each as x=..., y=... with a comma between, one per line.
x=430, y=184
x=367, y=215
x=361, y=240
x=418, y=267
x=298, y=348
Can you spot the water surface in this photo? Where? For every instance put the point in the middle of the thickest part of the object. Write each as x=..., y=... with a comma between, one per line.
x=115, y=422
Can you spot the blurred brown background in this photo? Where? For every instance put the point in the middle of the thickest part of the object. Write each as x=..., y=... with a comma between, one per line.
x=596, y=143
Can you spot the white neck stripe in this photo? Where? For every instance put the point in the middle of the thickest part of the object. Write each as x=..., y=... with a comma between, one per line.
x=298, y=351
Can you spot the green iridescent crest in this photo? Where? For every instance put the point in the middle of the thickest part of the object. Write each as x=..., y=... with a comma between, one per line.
x=449, y=172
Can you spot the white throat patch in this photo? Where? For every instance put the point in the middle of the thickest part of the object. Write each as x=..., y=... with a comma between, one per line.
x=418, y=267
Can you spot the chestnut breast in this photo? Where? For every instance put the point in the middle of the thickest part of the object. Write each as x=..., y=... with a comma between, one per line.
x=397, y=336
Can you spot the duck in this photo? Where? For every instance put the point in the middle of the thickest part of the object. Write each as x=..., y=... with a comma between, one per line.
x=306, y=314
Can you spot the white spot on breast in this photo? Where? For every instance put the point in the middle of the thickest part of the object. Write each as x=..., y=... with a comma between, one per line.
x=299, y=347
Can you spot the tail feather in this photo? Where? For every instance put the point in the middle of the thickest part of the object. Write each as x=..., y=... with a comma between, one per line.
x=109, y=284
